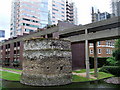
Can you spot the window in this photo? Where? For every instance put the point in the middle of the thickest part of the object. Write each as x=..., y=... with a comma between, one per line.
x=26, y=30
x=2, y=33
x=91, y=44
x=14, y=44
x=62, y=8
x=1, y=47
x=8, y=45
x=62, y=4
x=11, y=33
x=23, y=24
x=99, y=43
x=108, y=51
x=27, y=24
x=53, y=17
x=18, y=43
x=26, y=19
x=53, y=5
x=99, y=51
x=18, y=52
x=53, y=13
x=55, y=9
x=62, y=11
x=110, y=44
x=91, y=51
x=15, y=52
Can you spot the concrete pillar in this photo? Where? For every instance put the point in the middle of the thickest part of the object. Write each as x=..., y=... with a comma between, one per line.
x=87, y=56
x=95, y=59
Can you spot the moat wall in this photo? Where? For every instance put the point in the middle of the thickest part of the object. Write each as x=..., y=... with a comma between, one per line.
x=47, y=62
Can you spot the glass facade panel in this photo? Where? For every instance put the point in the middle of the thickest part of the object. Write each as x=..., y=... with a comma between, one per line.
x=2, y=33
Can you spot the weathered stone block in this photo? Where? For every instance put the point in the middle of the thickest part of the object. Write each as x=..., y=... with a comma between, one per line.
x=47, y=62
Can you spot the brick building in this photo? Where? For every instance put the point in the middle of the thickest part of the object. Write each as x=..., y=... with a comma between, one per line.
x=104, y=48
x=12, y=53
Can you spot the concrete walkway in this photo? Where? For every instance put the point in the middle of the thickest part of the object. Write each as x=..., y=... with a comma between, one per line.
x=84, y=75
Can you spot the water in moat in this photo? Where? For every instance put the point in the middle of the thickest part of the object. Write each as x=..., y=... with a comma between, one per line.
x=93, y=84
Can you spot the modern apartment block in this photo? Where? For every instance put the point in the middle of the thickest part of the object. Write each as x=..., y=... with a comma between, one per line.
x=25, y=17
x=115, y=7
x=98, y=16
x=71, y=13
x=29, y=15
x=57, y=9
x=12, y=54
x=104, y=48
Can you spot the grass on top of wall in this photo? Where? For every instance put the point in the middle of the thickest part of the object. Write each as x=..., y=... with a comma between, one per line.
x=12, y=69
x=9, y=76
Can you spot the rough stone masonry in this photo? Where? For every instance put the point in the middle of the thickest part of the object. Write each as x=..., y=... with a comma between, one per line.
x=47, y=62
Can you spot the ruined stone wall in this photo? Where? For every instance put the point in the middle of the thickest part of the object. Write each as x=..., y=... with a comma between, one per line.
x=47, y=62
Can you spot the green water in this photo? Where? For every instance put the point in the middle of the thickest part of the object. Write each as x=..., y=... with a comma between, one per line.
x=94, y=84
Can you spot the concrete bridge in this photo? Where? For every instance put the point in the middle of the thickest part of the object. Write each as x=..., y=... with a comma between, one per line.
x=102, y=30
x=93, y=32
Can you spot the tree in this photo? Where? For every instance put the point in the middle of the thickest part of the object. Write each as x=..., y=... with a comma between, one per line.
x=116, y=53
x=117, y=44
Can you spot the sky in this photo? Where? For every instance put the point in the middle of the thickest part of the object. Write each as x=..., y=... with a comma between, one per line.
x=83, y=6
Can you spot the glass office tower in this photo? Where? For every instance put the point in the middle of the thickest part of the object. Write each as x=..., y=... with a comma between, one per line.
x=29, y=15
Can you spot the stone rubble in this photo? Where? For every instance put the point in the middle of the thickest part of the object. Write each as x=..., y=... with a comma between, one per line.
x=113, y=80
x=47, y=62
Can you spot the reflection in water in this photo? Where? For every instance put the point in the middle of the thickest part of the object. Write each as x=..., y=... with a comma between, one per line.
x=94, y=84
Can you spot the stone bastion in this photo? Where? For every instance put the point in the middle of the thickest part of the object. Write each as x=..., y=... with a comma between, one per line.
x=47, y=62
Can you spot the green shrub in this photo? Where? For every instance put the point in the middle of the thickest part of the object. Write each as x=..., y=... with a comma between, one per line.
x=116, y=54
x=101, y=62
x=115, y=70
x=111, y=61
